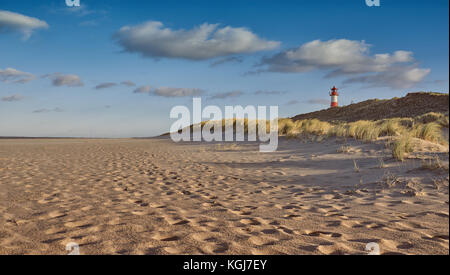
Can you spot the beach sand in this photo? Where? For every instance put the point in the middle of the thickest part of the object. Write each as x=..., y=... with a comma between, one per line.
x=152, y=196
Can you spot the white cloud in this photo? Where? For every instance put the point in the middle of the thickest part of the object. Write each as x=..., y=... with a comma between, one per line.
x=341, y=56
x=12, y=98
x=177, y=92
x=15, y=22
x=70, y=80
x=347, y=57
x=15, y=76
x=152, y=39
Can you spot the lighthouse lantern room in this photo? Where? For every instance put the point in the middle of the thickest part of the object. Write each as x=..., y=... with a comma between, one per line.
x=334, y=97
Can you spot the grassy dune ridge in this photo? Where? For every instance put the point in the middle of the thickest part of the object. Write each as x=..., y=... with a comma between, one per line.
x=402, y=122
x=401, y=131
x=409, y=106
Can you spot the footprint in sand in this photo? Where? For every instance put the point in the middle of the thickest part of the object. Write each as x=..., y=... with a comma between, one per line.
x=79, y=224
x=322, y=233
x=250, y=221
x=217, y=248
x=56, y=214
x=257, y=240
x=166, y=237
x=205, y=237
x=176, y=220
x=173, y=250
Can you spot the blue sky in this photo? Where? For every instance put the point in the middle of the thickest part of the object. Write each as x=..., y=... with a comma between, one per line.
x=285, y=53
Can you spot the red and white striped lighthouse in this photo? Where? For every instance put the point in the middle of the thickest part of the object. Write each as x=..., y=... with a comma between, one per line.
x=334, y=96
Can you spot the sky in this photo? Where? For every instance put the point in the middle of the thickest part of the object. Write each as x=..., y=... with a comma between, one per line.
x=116, y=68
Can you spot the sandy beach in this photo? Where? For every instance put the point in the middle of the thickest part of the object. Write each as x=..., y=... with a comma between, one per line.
x=152, y=196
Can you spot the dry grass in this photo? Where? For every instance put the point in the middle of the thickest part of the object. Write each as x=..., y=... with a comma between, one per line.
x=392, y=127
x=444, y=122
x=364, y=130
x=245, y=124
x=402, y=146
x=285, y=126
x=306, y=127
x=439, y=118
x=427, y=127
x=400, y=131
x=431, y=131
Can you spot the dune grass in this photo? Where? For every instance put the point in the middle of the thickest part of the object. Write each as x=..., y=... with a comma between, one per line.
x=402, y=146
x=427, y=127
x=430, y=131
x=403, y=130
x=245, y=124
x=439, y=118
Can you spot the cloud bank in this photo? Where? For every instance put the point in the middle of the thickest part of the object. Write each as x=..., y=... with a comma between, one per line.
x=352, y=58
x=152, y=39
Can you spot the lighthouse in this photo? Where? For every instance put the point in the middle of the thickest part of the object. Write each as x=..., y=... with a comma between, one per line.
x=334, y=97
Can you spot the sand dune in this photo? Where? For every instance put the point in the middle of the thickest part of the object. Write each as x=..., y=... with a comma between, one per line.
x=155, y=197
